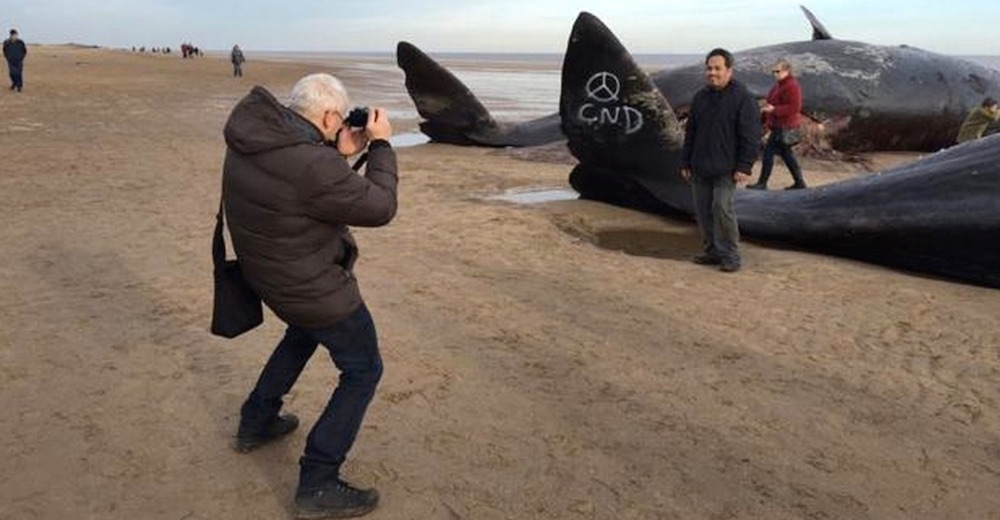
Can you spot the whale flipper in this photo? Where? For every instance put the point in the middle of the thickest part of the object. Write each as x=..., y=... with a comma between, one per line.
x=618, y=123
x=819, y=32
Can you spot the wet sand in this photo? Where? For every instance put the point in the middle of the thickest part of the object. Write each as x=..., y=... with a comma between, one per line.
x=533, y=368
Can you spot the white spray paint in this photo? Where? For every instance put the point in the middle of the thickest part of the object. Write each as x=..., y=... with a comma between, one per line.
x=604, y=88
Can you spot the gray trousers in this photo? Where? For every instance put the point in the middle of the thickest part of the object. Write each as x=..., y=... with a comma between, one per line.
x=713, y=207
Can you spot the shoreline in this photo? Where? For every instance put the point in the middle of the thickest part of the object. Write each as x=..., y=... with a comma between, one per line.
x=650, y=61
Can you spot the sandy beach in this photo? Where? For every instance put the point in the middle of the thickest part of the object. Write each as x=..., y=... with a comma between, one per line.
x=561, y=360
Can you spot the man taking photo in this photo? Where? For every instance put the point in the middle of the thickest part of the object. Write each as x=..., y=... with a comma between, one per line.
x=289, y=197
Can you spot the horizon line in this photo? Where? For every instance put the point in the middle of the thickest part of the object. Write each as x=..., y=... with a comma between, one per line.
x=341, y=51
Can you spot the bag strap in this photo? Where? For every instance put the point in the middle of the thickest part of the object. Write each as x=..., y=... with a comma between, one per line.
x=360, y=162
x=218, y=243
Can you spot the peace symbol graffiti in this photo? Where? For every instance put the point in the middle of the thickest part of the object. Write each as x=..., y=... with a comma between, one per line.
x=603, y=87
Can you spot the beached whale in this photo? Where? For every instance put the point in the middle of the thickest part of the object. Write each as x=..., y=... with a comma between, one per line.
x=938, y=215
x=866, y=97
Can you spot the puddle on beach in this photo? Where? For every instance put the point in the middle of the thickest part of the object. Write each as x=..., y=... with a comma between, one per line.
x=410, y=139
x=611, y=228
x=535, y=195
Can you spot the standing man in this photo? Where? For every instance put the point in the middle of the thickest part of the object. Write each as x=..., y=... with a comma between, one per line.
x=289, y=198
x=720, y=146
x=15, y=51
x=236, y=56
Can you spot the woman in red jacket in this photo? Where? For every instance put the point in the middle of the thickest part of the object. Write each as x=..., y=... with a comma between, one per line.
x=781, y=115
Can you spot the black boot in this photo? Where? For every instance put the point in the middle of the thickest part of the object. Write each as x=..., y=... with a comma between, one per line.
x=252, y=437
x=798, y=183
x=338, y=499
x=761, y=183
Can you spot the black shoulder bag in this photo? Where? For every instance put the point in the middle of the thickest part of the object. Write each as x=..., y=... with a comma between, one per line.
x=236, y=308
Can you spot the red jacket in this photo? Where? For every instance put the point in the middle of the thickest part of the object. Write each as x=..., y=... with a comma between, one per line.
x=786, y=97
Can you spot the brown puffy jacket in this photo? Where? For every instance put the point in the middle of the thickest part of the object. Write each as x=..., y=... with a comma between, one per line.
x=288, y=201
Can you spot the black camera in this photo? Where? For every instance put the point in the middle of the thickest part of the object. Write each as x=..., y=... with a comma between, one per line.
x=357, y=118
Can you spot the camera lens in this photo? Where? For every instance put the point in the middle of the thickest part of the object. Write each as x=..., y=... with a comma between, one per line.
x=357, y=118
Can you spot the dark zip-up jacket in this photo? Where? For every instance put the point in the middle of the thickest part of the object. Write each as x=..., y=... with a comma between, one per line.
x=288, y=200
x=14, y=51
x=723, y=132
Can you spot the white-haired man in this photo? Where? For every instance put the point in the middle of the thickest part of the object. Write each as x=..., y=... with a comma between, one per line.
x=289, y=198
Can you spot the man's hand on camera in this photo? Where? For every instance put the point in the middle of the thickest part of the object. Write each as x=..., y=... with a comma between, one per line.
x=351, y=141
x=378, y=126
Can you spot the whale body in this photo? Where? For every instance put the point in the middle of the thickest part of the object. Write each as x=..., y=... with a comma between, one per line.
x=865, y=97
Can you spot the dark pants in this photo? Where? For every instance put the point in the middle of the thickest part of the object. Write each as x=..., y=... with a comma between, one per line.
x=775, y=146
x=353, y=345
x=237, y=70
x=713, y=207
x=16, y=69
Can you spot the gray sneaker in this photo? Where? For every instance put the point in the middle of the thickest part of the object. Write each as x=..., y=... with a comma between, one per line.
x=335, y=500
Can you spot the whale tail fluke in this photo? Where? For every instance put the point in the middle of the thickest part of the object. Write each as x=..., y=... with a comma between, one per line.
x=451, y=112
x=618, y=124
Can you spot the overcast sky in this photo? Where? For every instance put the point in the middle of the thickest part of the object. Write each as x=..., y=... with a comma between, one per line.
x=644, y=26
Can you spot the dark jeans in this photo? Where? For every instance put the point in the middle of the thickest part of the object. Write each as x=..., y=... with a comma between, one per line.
x=16, y=69
x=353, y=345
x=713, y=207
x=237, y=70
x=775, y=146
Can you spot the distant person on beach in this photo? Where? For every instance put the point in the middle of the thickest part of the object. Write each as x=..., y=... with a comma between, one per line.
x=189, y=51
x=289, y=198
x=15, y=51
x=721, y=139
x=978, y=120
x=781, y=115
x=236, y=56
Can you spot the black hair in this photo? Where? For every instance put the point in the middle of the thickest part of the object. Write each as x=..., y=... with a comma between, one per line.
x=988, y=102
x=726, y=56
